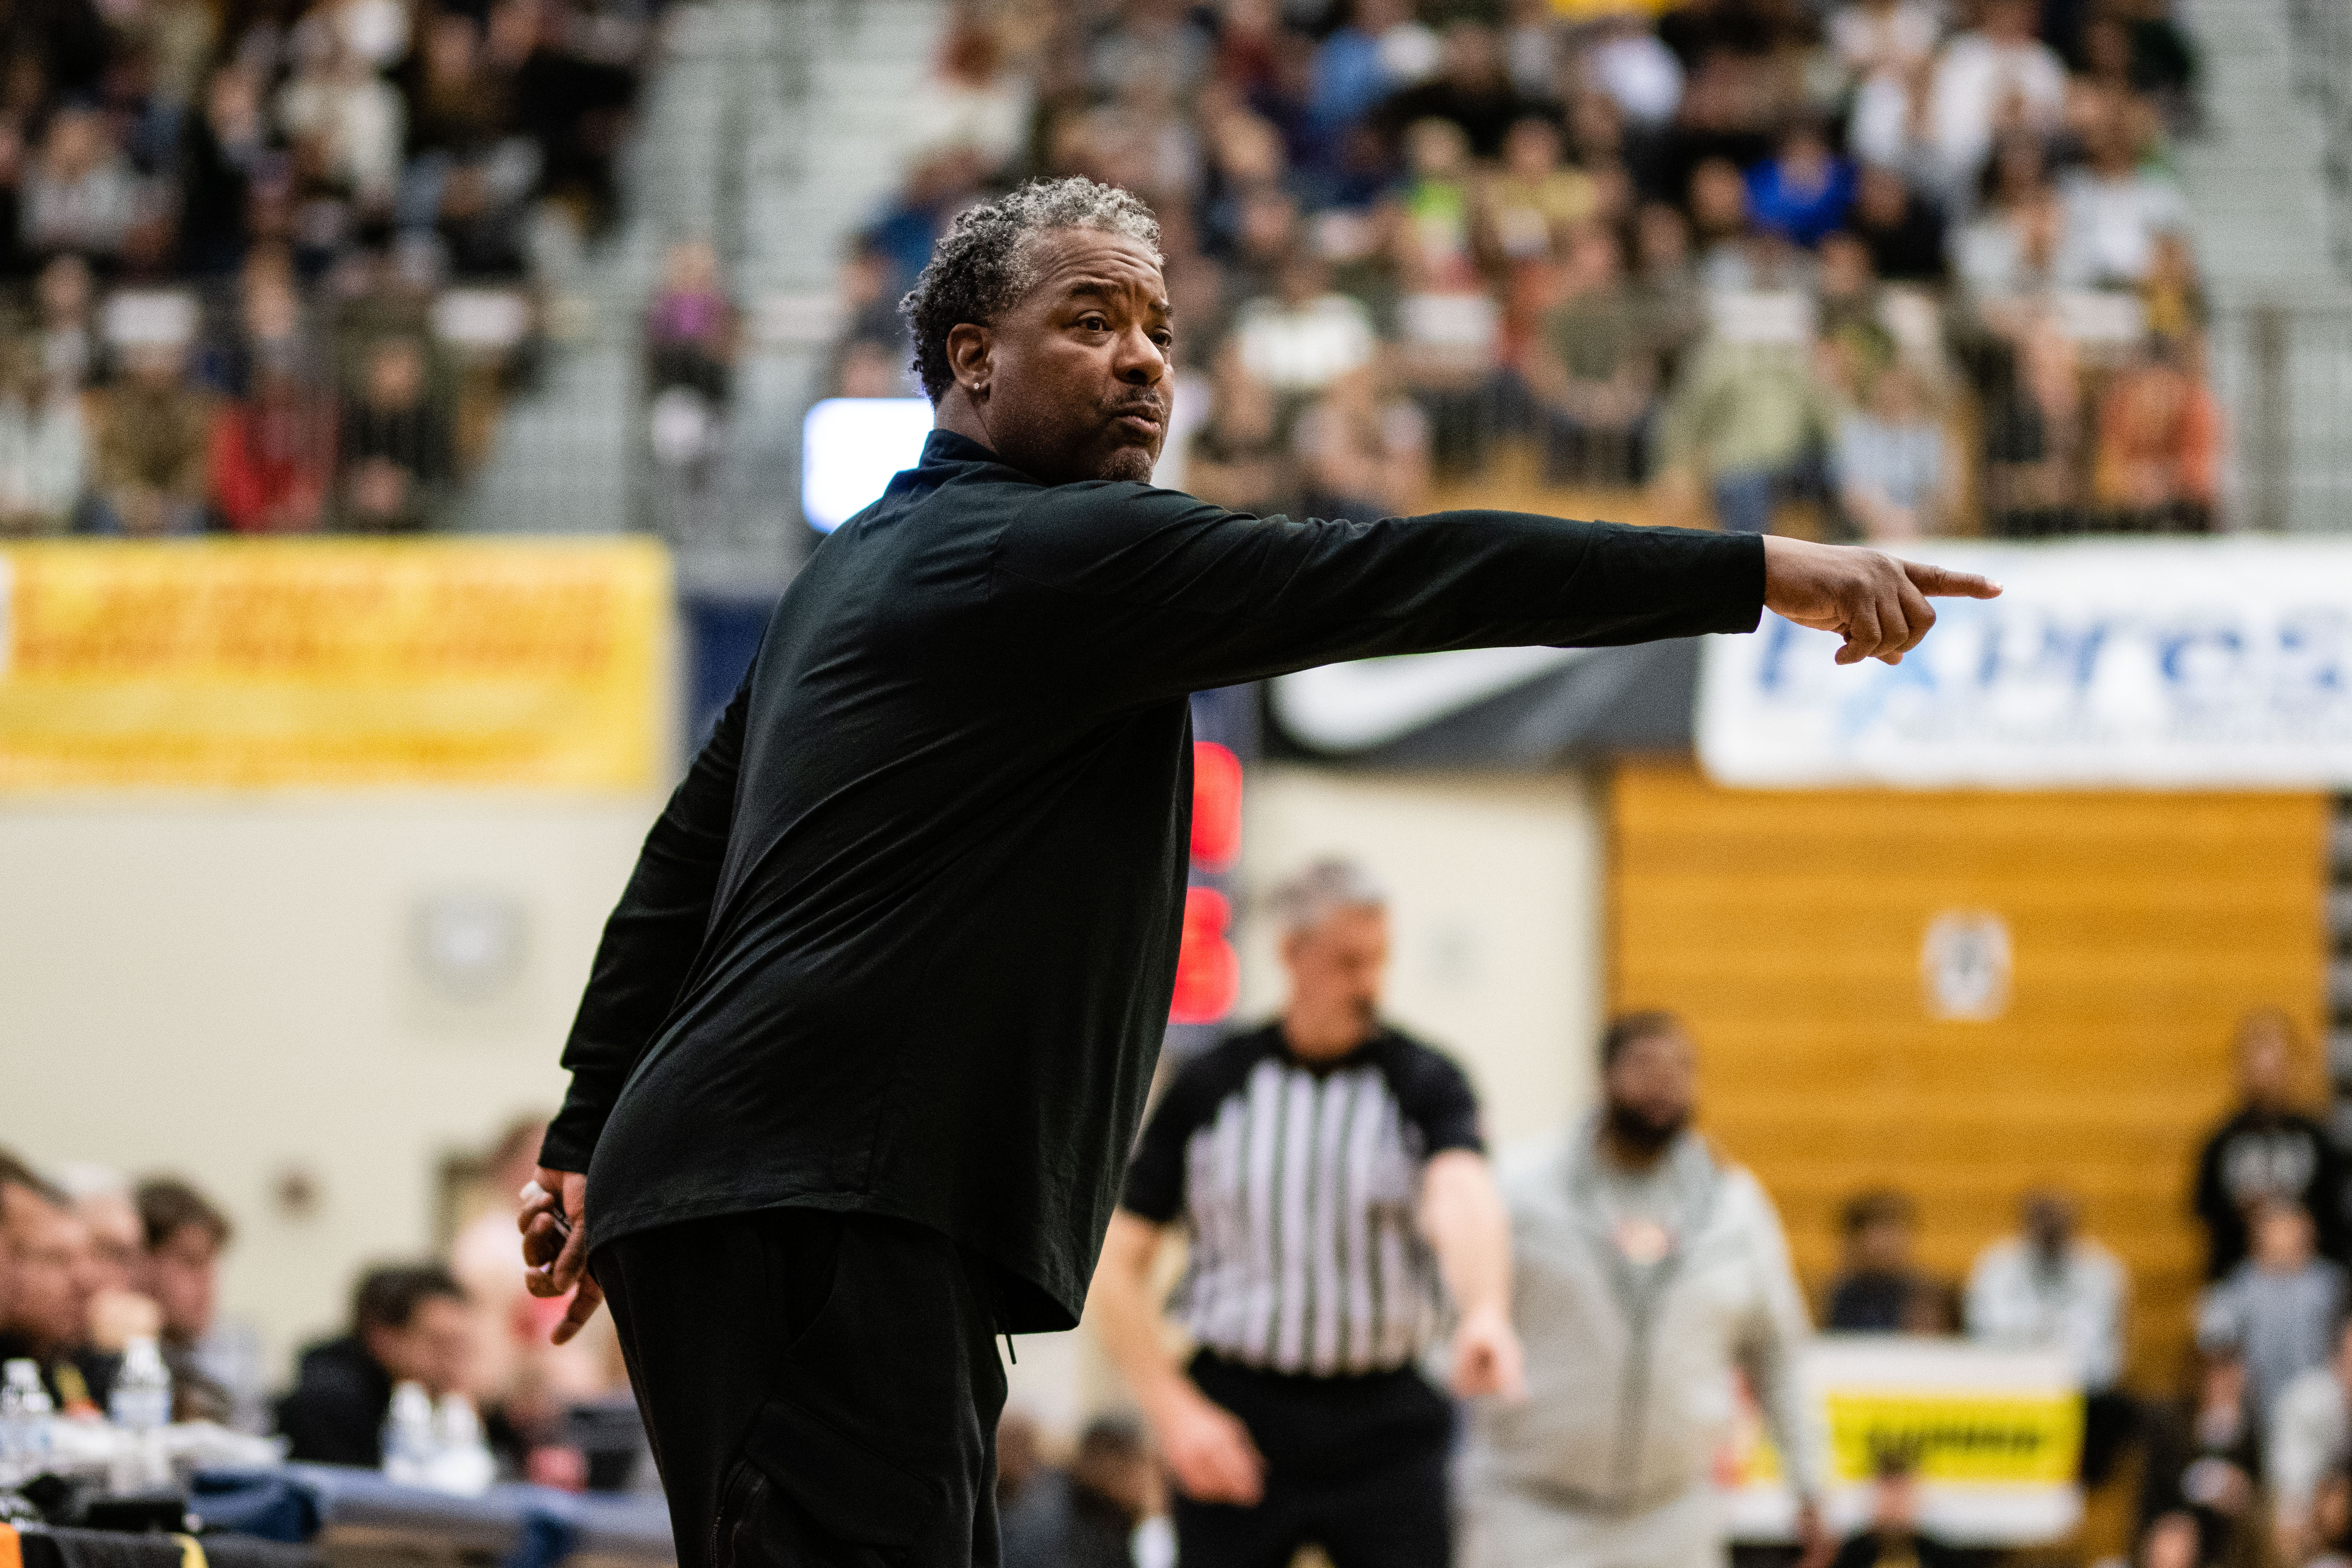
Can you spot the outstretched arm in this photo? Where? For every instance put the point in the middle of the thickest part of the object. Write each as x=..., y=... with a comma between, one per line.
x=1161, y=594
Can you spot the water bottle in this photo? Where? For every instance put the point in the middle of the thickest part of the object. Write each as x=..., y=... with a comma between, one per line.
x=25, y=1413
x=140, y=1406
x=408, y=1437
x=462, y=1462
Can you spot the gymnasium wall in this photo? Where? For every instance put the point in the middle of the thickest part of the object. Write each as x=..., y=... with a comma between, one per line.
x=1788, y=928
x=237, y=990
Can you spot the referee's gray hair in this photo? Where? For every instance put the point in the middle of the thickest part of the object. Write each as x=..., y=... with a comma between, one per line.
x=1306, y=899
x=985, y=261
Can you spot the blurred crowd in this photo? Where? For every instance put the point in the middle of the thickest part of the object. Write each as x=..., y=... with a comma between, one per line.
x=1865, y=268
x=2249, y=1458
x=90, y=1262
x=265, y=264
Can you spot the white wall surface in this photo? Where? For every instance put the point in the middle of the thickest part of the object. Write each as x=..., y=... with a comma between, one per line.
x=232, y=990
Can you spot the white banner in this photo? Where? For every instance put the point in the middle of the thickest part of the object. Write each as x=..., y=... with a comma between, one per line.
x=2210, y=664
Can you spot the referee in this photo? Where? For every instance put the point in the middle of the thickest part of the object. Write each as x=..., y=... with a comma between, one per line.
x=1327, y=1171
x=867, y=1037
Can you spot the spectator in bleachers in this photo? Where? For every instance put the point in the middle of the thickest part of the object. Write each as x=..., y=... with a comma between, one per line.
x=2036, y=438
x=226, y=143
x=1753, y=422
x=468, y=170
x=2052, y=1288
x=1527, y=211
x=1885, y=47
x=1637, y=78
x=216, y=1370
x=396, y=460
x=271, y=461
x=65, y=324
x=44, y=449
x=972, y=101
x=2010, y=246
x=1472, y=91
x=2156, y=468
x=1905, y=233
x=409, y=1324
x=1237, y=458
x=1296, y=340
x=1880, y=1287
x=81, y=193
x=2307, y=1436
x=1363, y=449
x=2112, y=209
x=2277, y=1311
x=154, y=434
x=1990, y=80
x=346, y=123
x=1804, y=190
x=1381, y=49
x=691, y=324
x=1665, y=284
x=2266, y=1149
x=1594, y=367
x=2197, y=1482
x=1894, y=476
x=1846, y=299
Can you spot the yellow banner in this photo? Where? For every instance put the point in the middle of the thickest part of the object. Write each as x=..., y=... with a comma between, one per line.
x=1970, y=1437
x=258, y=664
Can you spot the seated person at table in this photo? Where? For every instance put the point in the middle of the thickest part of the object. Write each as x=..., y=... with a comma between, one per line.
x=52, y=1280
x=215, y=1365
x=1881, y=1289
x=409, y=1324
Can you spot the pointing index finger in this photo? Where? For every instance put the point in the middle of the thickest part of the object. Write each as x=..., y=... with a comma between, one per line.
x=1945, y=583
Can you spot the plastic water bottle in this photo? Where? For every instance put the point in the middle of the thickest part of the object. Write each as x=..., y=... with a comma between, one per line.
x=26, y=1414
x=140, y=1406
x=408, y=1436
x=462, y=1462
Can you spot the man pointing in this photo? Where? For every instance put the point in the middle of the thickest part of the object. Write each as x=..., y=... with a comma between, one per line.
x=868, y=1034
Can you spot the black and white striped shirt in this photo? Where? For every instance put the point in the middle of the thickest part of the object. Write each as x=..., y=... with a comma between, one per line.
x=1300, y=1186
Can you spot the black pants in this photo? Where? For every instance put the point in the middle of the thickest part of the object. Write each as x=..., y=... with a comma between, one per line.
x=820, y=1390
x=1354, y=1465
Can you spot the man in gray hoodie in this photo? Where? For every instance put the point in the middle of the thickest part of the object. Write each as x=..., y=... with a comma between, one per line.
x=1648, y=1275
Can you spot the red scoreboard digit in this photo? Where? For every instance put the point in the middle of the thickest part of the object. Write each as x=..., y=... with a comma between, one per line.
x=1208, y=971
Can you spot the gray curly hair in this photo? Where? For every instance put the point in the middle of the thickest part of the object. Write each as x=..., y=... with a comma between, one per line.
x=984, y=263
x=1309, y=897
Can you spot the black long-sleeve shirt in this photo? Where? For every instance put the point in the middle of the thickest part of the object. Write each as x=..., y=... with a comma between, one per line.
x=904, y=940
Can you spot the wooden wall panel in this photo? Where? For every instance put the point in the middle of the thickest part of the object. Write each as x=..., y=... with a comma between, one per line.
x=1787, y=927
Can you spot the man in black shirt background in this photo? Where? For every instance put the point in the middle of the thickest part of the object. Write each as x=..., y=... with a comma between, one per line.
x=409, y=1324
x=869, y=1033
x=1329, y=1172
x=2267, y=1149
